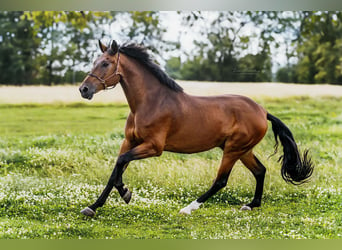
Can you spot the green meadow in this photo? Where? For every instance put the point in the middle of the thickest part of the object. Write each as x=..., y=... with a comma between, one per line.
x=55, y=160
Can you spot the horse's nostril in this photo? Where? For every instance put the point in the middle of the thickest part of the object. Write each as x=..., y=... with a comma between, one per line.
x=85, y=89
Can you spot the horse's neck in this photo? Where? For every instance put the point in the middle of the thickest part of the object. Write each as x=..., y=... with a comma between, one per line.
x=139, y=86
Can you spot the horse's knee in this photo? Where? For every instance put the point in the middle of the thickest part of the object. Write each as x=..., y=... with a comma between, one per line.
x=123, y=159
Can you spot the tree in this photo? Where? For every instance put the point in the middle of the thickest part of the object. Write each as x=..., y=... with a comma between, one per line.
x=254, y=68
x=18, y=49
x=222, y=56
x=45, y=46
x=320, y=48
x=147, y=29
x=173, y=66
x=287, y=74
x=65, y=40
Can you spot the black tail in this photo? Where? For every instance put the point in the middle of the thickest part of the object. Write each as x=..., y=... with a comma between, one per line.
x=295, y=169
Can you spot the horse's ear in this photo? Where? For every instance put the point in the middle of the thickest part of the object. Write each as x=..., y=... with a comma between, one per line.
x=102, y=47
x=114, y=46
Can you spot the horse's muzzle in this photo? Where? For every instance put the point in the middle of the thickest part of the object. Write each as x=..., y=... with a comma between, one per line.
x=86, y=91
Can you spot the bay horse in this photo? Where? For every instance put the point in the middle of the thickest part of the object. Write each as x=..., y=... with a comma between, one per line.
x=164, y=118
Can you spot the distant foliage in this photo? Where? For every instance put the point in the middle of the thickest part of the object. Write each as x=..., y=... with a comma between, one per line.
x=53, y=47
x=18, y=49
x=320, y=48
x=317, y=48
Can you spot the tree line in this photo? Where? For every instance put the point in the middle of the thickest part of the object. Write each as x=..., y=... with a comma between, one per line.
x=54, y=47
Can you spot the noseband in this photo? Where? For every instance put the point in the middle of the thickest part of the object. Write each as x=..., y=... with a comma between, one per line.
x=103, y=81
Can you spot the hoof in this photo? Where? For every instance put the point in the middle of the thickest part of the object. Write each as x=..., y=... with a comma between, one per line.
x=245, y=208
x=88, y=212
x=127, y=196
x=185, y=211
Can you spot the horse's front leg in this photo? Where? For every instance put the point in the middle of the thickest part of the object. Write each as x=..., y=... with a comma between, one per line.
x=144, y=150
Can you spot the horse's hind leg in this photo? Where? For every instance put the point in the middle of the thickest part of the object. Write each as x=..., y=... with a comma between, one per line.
x=258, y=170
x=227, y=164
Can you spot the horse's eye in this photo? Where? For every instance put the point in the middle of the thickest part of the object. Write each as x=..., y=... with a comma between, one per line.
x=105, y=64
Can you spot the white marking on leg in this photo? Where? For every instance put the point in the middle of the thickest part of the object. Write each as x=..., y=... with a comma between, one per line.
x=191, y=207
x=245, y=208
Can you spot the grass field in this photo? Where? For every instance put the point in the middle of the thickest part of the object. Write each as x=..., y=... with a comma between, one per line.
x=56, y=158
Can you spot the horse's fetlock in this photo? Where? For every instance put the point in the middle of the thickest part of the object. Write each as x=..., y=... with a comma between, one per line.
x=255, y=203
x=119, y=186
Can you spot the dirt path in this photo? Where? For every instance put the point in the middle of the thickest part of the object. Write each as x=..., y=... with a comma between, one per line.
x=67, y=94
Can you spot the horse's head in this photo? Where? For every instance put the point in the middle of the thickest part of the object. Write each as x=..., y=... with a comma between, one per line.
x=104, y=73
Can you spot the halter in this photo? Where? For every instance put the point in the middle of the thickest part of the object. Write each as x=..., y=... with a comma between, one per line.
x=103, y=81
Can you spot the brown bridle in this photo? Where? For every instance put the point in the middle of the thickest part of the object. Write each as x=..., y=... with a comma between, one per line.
x=103, y=81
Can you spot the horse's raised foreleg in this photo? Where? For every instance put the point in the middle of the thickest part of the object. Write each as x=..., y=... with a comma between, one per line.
x=227, y=164
x=258, y=170
x=118, y=171
x=141, y=151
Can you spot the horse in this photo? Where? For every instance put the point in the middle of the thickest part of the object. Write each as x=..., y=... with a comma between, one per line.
x=164, y=118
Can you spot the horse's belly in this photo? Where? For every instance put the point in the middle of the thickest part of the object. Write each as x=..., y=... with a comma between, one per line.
x=192, y=144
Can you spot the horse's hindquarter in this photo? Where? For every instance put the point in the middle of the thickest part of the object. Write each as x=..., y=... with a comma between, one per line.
x=203, y=123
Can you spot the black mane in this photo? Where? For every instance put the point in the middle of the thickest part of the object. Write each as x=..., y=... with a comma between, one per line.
x=139, y=53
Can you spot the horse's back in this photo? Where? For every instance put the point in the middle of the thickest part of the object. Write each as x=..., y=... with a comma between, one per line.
x=229, y=106
x=206, y=122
